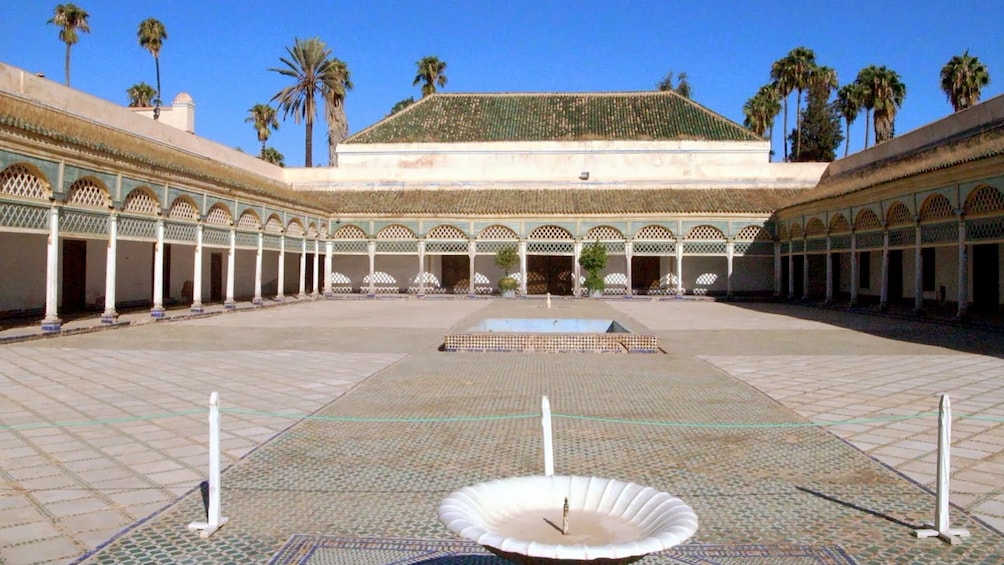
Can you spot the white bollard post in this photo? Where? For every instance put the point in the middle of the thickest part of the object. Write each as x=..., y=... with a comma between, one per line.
x=214, y=521
x=548, y=300
x=548, y=445
x=942, y=526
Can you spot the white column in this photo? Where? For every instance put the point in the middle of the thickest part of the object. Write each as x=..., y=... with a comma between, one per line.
x=679, y=267
x=918, y=274
x=777, y=269
x=371, y=251
x=576, y=268
x=522, y=267
x=257, y=270
x=472, y=252
x=197, y=276
x=963, y=270
x=158, y=273
x=317, y=253
x=51, y=322
x=628, y=255
x=228, y=302
x=729, y=260
x=855, y=259
x=421, y=268
x=329, y=251
x=303, y=270
x=110, y=315
x=280, y=290
x=829, y=269
x=884, y=290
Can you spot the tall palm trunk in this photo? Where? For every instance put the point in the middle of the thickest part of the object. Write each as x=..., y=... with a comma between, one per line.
x=798, y=122
x=156, y=105
x=308, y=158
x=847, y=138
x=867, y=124
x=784, y=132
x=67, y=64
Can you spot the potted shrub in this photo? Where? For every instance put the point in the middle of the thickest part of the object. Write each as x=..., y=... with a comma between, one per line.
x=506, y=258
x=593, y=259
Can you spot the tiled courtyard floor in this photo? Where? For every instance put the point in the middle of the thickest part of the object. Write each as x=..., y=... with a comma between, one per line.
x=718, y=420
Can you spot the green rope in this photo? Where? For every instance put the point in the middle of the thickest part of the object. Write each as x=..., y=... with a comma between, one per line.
x=382, y=420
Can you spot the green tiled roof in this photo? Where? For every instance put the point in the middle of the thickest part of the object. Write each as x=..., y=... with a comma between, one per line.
x=541, y=202
x=453, y=118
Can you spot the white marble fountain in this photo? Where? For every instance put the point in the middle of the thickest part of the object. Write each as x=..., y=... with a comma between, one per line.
x=567, y=519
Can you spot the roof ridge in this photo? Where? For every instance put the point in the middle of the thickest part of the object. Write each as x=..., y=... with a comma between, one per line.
x=407, y=108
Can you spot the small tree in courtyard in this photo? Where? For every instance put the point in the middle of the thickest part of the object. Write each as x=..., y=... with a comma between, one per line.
x=593, y=259
x=506, y=258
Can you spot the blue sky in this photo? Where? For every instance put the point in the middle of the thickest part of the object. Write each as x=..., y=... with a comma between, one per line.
x=219, y=51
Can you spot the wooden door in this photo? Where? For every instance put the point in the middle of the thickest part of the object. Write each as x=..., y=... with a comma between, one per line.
x=74, y=285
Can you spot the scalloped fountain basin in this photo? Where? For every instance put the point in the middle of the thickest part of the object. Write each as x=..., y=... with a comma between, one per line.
x=610, y=521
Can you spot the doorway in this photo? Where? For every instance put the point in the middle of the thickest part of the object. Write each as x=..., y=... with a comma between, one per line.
x=895, y=290
x=455, y=269
x=549, y=273
x=74, y=275
x=645, y=274
x=216, y=277
x=986, y=278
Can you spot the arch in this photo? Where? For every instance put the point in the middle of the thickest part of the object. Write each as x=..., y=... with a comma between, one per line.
x=705, y=232
x=184, y=208
x=867, y=220
x=25, y=181
x=312, y=230
x=898, y=214
x=273, y=224
x=249, y=220
x=219, y=215
x=497, y=232
x=796, y=231
x=936, y=207
x=396, y=231
x=654, y=232
x=753, y=233
x=349, y=232
x=445, y=231
x=839, y=224
x=323, y=232
x=604, y=233
x=984, y=199
x=88, y=193
x=814, y=227
x=142, y=200
x=294, y=228
x=549, y=232
x=782, y=232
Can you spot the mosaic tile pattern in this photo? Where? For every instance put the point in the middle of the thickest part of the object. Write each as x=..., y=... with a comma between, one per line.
x=748, y=485
x=328, y=550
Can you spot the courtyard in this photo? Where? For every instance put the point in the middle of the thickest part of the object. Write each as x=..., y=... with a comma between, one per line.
x=798, y=435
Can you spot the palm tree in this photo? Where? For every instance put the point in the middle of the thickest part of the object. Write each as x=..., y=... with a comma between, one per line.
x=151, y=35
x=801, y=66
x=866, y=94
x=338, y=122
x=272, y=155
x=315, y=76
x=70, y=18
x=682, y=86
x=962, y=78
x=887, y=93
x=140, y=95
x=784, y=84
x=430, y=70
x=401, y=105
x=760, y=111
x=265, y=122
x=849, y=104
